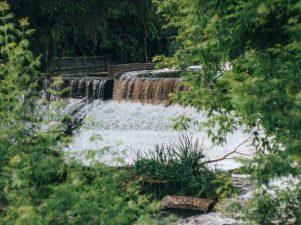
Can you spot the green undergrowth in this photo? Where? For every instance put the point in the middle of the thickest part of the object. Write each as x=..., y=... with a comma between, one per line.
x=180, y=168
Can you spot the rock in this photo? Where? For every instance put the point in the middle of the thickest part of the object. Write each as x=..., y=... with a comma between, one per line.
x=185, y=202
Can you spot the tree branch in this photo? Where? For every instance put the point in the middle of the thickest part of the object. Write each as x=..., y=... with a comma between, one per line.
x=231, y=153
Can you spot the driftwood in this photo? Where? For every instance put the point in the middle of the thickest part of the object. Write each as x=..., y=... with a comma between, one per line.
x=185, y=202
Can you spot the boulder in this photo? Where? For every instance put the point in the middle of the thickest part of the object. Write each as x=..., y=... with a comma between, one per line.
x=185, y=202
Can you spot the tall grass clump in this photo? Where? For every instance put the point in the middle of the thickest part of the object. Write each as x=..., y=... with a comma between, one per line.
x=178, y=168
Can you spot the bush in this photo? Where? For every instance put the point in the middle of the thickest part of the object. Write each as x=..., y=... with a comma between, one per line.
x=176, y=169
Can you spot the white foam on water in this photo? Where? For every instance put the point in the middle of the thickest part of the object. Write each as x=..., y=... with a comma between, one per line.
x=148, y=73
x=209, y=219
x=119, y=130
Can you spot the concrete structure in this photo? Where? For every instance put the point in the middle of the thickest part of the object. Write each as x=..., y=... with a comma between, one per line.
x=118, y=69
x=80, y=66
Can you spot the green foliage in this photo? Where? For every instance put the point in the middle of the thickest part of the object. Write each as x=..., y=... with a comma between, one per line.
x=181, y=123
x=37, y=185
x=276, y=206
x=179, y=169
x=224, y=184
x=261, y=43
x=57, y=88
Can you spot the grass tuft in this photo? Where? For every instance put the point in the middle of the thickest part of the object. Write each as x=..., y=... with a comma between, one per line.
x=176, y=169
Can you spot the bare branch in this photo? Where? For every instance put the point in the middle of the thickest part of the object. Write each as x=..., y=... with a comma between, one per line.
x=231, y=153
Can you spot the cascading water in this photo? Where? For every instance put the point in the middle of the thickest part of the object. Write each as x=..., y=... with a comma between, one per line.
x=91, y=89
x=147, y=90
x=128, y=123
x=148, y=86
x=88, y=88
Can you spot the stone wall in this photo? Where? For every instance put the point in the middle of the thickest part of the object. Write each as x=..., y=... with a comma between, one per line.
x=83, y=66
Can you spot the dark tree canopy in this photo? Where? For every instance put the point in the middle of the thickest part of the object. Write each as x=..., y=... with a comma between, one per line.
x=129, y=31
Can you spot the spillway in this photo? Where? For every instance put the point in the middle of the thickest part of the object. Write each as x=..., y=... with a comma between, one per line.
x=79, y=88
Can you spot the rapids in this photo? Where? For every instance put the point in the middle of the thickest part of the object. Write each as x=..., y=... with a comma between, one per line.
x=118, y=130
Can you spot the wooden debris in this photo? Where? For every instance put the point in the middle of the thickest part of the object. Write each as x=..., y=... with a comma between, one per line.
x=185, y=202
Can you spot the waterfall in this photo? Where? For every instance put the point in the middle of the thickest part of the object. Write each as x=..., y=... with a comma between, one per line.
x=146, y=90
x=91, y=89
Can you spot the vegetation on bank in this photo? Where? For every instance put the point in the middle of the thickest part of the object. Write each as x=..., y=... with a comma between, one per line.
x=260, y=43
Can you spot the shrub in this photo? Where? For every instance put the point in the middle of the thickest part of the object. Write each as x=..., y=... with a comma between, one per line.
x=176, y=169
x=250, y=54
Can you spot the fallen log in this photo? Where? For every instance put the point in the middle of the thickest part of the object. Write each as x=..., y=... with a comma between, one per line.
x=185, y=202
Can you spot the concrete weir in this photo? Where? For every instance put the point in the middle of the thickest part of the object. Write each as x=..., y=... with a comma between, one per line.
x=97, y=78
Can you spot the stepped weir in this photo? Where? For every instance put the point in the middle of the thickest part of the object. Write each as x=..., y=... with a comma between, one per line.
x=122, y=83
x=91, y=88
x=147, y=90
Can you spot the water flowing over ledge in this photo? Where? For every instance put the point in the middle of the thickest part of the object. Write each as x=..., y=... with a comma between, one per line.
x=161, y=73
x=91, y=89
x=152, y=91
x=146, y=86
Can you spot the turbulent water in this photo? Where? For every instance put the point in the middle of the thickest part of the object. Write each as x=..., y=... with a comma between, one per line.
x=162, y=73
x=120, y=129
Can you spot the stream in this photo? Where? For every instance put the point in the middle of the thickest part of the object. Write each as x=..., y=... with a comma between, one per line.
x=115, y=131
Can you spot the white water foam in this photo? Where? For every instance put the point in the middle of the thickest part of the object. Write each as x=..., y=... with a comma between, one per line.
x=149, y=74
x=209, y=219
x=119, y=130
